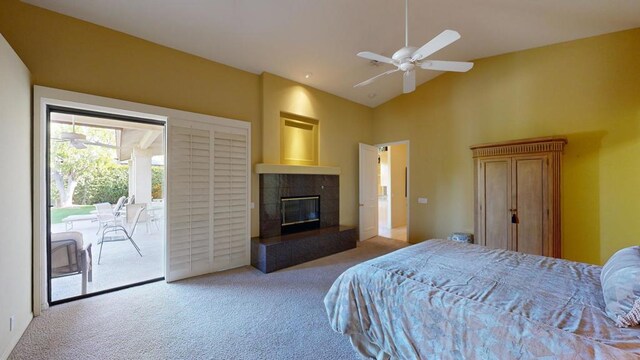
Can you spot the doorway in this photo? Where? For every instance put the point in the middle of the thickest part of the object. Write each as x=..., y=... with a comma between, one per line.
x=384, y=190
x=393, y=190
x=105, y=191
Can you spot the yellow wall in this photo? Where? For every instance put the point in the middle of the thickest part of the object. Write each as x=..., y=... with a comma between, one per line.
x=588, y=90
x=70, y=54
x=342, y=124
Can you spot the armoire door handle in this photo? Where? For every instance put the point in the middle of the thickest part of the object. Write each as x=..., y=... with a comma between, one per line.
x=514, y=219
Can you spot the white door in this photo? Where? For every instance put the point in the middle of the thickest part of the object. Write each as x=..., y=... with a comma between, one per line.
x=368, y=191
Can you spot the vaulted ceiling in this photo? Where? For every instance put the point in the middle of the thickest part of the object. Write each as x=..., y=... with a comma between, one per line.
x=292, y=38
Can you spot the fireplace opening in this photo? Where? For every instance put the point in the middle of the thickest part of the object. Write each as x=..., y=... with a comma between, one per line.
x=300, y=213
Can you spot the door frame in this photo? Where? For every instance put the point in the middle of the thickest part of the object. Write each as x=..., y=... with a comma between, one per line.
x=408, y=179
x=399, y=142
x=44, y=99
x=107, y=116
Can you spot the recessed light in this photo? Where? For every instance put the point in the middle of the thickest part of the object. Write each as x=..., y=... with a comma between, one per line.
x=307, y=75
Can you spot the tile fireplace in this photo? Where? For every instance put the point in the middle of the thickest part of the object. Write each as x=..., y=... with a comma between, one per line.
x=299, y=220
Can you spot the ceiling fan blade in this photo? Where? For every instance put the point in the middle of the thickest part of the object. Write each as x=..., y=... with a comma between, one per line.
x=409, y=81
x=367, y=82
x=459, y=66
x=373, y=56
x=443, y=39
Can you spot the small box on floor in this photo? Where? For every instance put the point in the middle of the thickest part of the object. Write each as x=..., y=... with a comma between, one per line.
x=461, y=237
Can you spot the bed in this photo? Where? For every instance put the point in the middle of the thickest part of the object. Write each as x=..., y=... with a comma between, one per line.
x=442, y=299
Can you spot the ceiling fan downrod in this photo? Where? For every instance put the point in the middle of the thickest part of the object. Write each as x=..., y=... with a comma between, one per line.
x=406, y=23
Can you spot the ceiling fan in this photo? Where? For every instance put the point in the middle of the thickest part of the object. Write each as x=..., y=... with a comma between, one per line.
x=78, y=140
x=409, y=57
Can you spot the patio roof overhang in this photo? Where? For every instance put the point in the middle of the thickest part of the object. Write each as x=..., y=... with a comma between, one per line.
x=129, y=134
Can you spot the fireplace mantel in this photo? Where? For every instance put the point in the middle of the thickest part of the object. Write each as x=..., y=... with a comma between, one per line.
x=296, y=169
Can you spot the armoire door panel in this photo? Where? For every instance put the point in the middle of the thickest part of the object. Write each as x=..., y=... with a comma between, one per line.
x=496, y=201
x=529, y=182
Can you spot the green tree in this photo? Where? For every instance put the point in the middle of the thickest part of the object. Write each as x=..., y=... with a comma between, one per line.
x=71, y=166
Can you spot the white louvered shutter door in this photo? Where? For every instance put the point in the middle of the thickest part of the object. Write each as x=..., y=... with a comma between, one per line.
x=230, y=198
x=189, y=200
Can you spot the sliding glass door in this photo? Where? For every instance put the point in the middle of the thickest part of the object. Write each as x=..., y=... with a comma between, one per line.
x=106, y=202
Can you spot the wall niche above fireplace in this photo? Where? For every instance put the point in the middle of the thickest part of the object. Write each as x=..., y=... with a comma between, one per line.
x=298, y=139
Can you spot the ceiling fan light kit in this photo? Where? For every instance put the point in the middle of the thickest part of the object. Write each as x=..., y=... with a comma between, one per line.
x=408, y=58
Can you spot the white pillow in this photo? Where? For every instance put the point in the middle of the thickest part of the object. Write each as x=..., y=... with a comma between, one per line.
x=620, y=279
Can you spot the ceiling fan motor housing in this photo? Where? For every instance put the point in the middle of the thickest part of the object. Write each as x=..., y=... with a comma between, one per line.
x=404, y=54
x=407, y=66
x=71, y=136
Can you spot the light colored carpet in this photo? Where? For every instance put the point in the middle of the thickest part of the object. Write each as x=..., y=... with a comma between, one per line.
x=236, y=314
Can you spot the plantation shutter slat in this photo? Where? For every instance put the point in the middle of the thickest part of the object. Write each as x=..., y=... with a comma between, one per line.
x=190, y=182
x=207, y=198
x=230, y=200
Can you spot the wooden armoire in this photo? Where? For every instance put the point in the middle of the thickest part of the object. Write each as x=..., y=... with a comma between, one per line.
x=517, y=195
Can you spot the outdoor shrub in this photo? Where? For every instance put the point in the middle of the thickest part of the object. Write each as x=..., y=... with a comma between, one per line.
x=104, y=184
x=157, y=177
x=108, y=183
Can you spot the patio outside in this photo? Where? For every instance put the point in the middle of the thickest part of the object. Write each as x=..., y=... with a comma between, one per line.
x=120, y=165
x=120, y=263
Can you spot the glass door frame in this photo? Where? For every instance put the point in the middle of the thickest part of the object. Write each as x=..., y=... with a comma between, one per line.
x=82, y=112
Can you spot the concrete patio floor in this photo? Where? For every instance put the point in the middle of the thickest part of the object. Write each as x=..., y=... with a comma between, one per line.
x=120, y=264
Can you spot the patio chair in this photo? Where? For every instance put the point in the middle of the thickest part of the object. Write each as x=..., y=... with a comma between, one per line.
x=118, y=209
x=105, y=216
x=154, y=218
x=147, y=217
x=124, y=232
x=70, y=256
x=155, y=211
